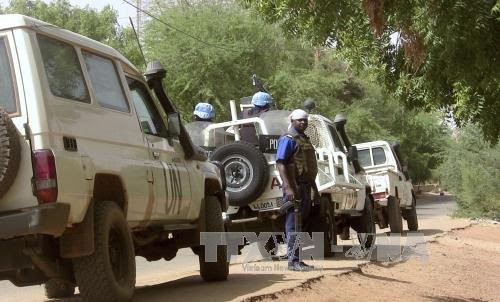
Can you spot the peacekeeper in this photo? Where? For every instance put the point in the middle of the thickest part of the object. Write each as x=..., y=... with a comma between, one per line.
x=297, y=165
x=261, y=102
x=203, y=112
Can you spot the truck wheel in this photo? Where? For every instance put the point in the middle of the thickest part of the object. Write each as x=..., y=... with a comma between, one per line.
x=394, y=214
x=329, y=235
x=364, y=225
x=57, y=288
x=109, y=273
x=246, y=170
x=214, y=271
x=411, y=216
x=325, y=223
x=10, y=152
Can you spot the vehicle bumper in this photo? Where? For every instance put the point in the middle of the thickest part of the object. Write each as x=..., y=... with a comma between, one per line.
x=48, y=219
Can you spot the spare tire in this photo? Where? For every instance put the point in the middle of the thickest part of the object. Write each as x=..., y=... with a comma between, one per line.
x=10, y=152
x=246, y=170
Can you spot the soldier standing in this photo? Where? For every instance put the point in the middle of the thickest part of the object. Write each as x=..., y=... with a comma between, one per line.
x=297, y=165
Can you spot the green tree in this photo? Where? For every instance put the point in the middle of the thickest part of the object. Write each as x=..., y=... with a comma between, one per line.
x=211, y=49
x=98, y=25
x=446, y=55
x=471, y=171
x=371, y=113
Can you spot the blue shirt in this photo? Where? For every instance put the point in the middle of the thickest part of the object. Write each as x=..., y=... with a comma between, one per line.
x=287, y=146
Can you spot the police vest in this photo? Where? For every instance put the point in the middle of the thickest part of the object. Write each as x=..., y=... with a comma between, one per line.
x=304, y=164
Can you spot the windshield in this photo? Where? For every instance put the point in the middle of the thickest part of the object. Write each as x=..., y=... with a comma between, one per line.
x=276, y=121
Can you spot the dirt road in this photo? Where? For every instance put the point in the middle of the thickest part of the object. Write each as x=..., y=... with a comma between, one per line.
x=461, y=265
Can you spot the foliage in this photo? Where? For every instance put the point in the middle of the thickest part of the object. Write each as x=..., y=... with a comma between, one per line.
x=211, y=48
x=215, y=52
x=471, y=171
x=372, y=115
x=98, y=25
x=446, y=55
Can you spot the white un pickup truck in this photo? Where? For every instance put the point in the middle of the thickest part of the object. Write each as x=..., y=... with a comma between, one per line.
x=391, y=186
x=254, y=184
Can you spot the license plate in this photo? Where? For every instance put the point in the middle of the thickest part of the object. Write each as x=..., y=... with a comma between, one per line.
x=267, y=204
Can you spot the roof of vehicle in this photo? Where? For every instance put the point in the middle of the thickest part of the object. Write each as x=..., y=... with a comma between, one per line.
x=11, y=21
x=371, y=144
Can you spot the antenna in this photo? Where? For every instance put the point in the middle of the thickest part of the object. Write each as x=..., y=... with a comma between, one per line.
x=138, y=42
x=139, y=17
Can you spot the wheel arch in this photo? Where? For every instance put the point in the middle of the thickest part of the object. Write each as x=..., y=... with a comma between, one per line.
x=78, y=240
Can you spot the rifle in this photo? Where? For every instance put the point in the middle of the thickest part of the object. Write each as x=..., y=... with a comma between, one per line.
x=257, y=83
x=259, y=86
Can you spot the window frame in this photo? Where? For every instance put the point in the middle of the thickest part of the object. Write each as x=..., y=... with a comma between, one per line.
x=154, y=103
x=373, y=158
x=370, y=156
x=336, y=139
x=79, y=58
x=5, y=37
x=120, y=77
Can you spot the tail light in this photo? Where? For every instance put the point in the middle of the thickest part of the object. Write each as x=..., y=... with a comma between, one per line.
x=45, y=176
x=377, y=196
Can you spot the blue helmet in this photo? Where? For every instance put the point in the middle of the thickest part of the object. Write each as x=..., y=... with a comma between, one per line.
x=261, y=98
x=204, y=111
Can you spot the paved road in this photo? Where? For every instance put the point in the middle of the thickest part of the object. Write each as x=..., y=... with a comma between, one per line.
x=179, y=279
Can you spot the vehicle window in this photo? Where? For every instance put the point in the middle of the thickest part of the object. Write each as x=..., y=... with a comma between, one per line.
x=63, y=69
x=338, y=143
x=105, y=81
x=149, y=117
x=364, y=157
x=378, y=156
x=7, y=92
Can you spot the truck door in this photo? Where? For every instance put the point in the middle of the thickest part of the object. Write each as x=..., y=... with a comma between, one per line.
x=171, y=177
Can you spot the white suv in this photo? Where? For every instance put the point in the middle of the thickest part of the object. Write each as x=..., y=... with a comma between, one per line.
x=95, y=168
x=254, y=183
x=391, y=186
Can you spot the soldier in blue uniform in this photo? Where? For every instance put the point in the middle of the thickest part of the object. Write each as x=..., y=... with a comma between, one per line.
x=262, y=103
x=297, y=165
x=204, y=112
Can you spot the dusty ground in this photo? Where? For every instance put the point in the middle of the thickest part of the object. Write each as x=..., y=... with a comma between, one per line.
x=462, y=265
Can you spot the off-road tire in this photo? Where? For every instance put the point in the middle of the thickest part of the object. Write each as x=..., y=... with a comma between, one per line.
x=411, y=216
x=364, y=225
x=394, y=215
x=57, y=288
x=10, y=152
x=324, y=222
x=109, y=273
x=214, y=271
x=246, y=170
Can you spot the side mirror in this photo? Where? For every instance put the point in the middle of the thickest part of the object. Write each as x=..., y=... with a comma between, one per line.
x=174, y=124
